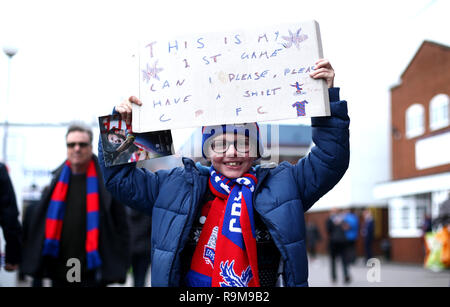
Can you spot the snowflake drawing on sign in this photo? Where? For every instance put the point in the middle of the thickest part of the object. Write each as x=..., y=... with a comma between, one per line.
x=294, y=39
x=151, y=72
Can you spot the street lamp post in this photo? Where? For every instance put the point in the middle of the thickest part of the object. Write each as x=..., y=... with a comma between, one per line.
x=10, y=52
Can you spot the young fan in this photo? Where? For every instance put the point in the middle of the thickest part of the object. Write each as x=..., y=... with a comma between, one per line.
x=233, y=224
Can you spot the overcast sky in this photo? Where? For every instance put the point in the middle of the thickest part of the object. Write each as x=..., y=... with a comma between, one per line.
x=72, y=55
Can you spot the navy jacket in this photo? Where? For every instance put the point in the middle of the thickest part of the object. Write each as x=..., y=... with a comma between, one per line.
x=283, y=194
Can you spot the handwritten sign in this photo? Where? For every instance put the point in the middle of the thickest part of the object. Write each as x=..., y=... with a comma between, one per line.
x=233, y=77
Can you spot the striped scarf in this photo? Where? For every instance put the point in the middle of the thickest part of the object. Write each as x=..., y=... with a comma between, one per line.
x=225, y=255
x=55, y=215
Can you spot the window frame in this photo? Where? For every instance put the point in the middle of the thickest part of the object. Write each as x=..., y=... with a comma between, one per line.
x=414, y=120
x=406, y=215
x=439, y=112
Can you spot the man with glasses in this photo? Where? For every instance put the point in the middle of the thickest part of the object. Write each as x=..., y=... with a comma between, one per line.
x=78, y=236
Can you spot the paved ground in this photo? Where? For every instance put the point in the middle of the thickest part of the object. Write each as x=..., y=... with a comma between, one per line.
x=10, y=280
x=376, y=274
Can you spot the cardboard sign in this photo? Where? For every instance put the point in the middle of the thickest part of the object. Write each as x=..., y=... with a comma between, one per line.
x=227, y=78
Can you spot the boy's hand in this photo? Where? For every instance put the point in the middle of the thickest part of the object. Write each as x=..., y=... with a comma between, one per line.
x=125, y=107
x=324, y=70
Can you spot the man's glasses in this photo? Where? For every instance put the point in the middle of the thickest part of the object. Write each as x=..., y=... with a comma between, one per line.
x=81, y=144
x=221, y=146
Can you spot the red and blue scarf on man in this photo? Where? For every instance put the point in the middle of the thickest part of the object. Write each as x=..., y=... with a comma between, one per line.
x=226, y=255
x=55, y=215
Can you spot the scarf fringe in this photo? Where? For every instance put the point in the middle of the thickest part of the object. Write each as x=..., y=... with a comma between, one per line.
x=93, y=260
x=51, y=248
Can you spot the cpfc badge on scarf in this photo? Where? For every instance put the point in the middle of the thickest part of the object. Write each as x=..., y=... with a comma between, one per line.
x=210, y=248
x=231, y=279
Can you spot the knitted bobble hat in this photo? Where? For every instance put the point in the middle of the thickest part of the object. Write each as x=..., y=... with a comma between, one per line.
x=251, y=130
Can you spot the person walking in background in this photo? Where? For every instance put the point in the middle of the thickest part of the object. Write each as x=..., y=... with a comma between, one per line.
x=140, y=234
x=9, y=221
x=26, y=221
x=427, y=224
x=368, y=233
x=78, y=234
x=351, y=227
x=312, y=238
x=337, y=244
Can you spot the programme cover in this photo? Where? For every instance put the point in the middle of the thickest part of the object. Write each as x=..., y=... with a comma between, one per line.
x=120, y=145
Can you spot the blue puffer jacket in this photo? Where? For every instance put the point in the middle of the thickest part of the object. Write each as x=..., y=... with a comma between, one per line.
x=281, y=197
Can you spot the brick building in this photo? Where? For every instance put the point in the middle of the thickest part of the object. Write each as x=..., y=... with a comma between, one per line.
x=420, y=144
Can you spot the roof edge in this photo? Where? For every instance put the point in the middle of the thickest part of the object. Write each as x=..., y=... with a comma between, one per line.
x=425, y=42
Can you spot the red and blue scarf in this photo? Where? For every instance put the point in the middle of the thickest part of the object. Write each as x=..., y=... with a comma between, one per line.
x=225, y=255
x=55, y=215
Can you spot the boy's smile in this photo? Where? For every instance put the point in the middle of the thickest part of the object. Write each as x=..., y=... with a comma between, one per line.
x=228, y=160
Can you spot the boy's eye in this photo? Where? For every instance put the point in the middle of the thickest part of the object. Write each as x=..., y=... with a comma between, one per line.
x=241, y=145
x=219, y=146
x=243, y=142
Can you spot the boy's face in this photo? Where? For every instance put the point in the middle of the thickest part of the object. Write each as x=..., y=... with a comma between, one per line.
x=228, y=160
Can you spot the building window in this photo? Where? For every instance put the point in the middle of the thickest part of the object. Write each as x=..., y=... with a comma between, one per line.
x=439, y=112
x=423, y=207
x=415, y=120
x=407, y=214
x=405, y=220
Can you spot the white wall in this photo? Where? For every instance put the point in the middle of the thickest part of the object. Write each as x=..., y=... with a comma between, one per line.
x=369, y=150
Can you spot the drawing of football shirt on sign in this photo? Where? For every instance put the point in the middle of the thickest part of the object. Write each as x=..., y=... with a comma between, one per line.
x=300, y=105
